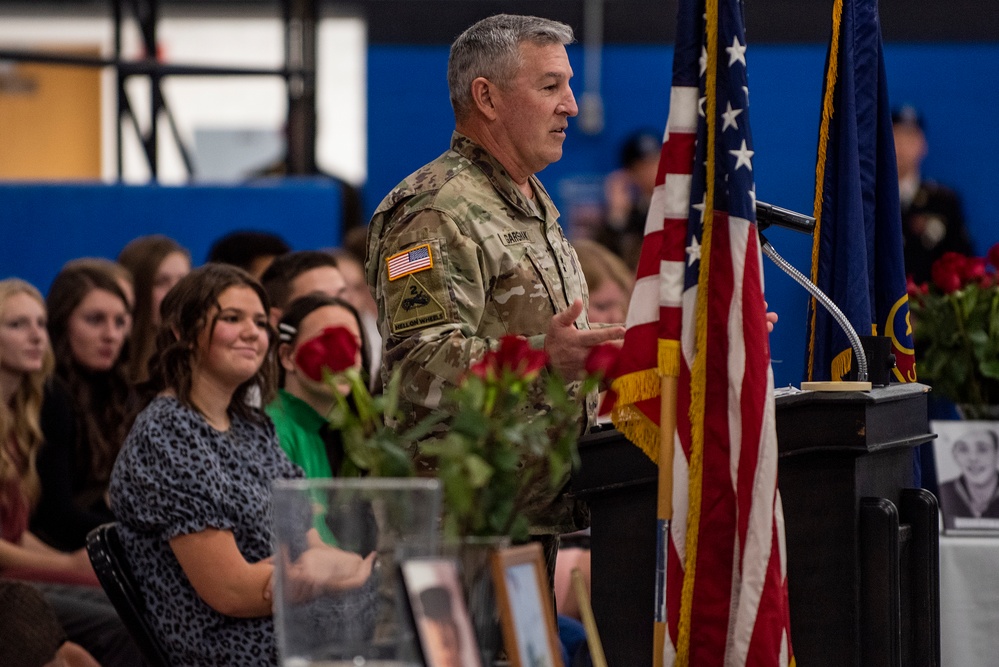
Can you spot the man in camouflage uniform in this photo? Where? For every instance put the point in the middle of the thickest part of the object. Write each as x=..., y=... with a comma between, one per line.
x=468, y=248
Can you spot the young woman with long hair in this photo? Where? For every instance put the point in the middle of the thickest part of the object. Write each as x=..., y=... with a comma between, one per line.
x=156, y=263
x=86, y=404
x=25, y=363
x=192, y=485
x=66, y=580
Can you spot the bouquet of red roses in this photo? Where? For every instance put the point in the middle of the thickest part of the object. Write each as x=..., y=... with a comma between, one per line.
x=497, y=446
x=956, y=329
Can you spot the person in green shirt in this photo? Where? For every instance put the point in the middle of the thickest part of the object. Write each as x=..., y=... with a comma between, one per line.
x=301, y=407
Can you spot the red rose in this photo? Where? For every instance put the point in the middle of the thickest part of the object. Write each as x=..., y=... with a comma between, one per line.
x=946, y=271
x=602, y=358
x=514, y=355
x=973, y=270
x=335, y=349
x=993, y=255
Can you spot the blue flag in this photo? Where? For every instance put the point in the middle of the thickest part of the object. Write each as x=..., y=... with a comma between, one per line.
x=857, y=252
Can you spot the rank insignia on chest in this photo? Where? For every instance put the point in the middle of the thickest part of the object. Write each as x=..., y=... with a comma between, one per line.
x=410, y=261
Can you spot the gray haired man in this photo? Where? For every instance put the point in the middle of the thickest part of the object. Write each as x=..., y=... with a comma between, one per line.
x=468, y=248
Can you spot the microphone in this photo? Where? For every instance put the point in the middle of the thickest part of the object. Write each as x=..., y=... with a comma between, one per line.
x=768, y=214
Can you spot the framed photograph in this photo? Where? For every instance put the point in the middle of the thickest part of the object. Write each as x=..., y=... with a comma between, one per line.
x=966, y=454
x=439, y=613
x=525, y=607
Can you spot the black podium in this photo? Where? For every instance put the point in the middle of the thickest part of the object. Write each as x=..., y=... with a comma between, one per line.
x=861, y=542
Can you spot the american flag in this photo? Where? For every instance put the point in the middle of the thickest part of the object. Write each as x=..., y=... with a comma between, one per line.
x=697, y=313
x=409, y=261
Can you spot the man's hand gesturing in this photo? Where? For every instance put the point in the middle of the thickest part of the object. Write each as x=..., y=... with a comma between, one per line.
x=567, y=346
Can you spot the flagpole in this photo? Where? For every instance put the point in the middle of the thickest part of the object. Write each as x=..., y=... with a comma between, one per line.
x=664, y=507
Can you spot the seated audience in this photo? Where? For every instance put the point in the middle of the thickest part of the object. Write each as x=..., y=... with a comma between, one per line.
x=25, y=363
x=296, y=274
x=608, y=280
x=66, y=579
x=299, y=412
x=156, y=263
x=628, y=193
x=192, y=485
x=251, y=251
x=32, y=635
x=85, y=406
x=121, y=274
x=351, y=265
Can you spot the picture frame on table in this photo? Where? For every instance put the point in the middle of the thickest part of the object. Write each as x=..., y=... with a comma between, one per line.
x=524, y=598
x=966, y=455
x=440, y=616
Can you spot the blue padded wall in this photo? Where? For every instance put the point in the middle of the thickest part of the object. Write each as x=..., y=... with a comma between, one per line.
x=46, y=225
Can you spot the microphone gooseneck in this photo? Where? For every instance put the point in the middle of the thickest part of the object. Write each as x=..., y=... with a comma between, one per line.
x=827, y=303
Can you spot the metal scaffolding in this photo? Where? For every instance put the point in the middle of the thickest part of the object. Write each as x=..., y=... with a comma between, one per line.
x=300, y=18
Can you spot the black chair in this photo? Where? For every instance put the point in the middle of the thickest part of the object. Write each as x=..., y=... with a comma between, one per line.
x=115, y=575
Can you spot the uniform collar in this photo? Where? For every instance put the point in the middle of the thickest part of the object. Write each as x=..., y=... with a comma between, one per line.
x=501, y=180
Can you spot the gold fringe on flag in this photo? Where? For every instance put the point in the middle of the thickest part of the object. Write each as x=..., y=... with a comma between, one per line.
x=628, y=419
x=699, y=371
x=642, y=386
x=832, y=73
x=669, y=358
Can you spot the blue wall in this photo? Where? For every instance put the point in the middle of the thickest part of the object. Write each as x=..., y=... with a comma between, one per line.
x=410, y=121
x=44, y=225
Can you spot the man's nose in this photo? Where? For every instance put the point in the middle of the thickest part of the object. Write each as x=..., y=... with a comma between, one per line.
x=568, y=106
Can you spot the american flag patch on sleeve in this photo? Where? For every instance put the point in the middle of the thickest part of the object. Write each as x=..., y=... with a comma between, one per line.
x=409, y=261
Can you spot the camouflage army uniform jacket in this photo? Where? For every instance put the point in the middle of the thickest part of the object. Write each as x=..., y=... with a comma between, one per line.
x=457, y=257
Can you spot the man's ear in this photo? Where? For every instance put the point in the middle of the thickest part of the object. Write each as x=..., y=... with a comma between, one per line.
x=482, y=95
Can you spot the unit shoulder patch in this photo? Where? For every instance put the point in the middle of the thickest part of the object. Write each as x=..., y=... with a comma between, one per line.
x=418, y=308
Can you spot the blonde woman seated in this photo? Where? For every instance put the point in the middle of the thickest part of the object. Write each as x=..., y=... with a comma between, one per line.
x=66, y=579
x=192, y=486
x=608, y=280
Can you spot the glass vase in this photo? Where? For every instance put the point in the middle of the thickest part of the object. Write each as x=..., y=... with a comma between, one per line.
x=368, y=625
x=473, y=555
